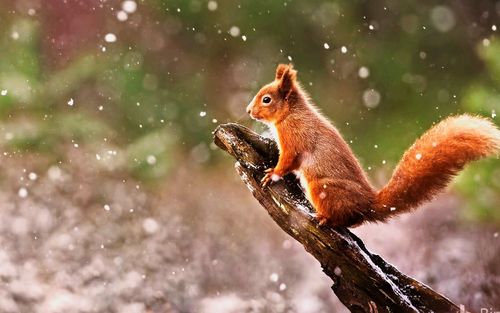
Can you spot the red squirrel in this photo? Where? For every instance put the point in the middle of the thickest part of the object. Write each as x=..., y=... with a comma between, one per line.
x=331, y=176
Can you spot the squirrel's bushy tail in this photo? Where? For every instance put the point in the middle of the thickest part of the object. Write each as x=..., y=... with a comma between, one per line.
x=429, y=165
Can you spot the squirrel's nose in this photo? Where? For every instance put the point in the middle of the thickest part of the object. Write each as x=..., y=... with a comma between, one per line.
x=249, y=108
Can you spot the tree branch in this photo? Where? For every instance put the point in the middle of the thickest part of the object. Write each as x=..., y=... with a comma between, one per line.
x=362, y=281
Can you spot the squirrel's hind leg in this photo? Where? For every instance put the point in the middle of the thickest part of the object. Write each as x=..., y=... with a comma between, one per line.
x=338, y=204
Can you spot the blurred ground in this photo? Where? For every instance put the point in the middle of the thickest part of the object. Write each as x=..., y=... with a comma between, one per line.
x=77, y=239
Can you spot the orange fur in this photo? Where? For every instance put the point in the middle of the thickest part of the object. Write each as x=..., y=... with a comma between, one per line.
x=331, y=175
x=432, y=161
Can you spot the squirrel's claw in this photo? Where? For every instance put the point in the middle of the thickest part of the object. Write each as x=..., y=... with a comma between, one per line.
x=267, y=179
x=322, y=220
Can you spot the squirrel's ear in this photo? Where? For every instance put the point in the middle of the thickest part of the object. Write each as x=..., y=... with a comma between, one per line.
x=280, y=70
x=286, y=80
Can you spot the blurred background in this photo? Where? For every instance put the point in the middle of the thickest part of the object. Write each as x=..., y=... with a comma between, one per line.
x=114, y=199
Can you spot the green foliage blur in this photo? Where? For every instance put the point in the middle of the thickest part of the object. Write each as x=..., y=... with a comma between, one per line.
x=149, y=84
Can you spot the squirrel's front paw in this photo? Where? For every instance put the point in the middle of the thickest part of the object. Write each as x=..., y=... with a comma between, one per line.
x=322, y=220
x=269, y=177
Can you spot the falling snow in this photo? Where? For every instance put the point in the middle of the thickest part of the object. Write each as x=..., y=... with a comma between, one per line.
x=371, y=98
x=116, y=203
x=110, y=37
x=54, y=173
x=122, y=16
x=150, y=225
x=274, y=277
x=363, y=72
x=22, y=192
x=212, y=5
x=443, y=18
x=234, y=31
x=151, y=159
x=337, y=271
x=129, y=6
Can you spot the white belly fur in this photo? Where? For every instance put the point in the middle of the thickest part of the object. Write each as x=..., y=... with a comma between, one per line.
x=303, y=183
x=304, y=160
x=274, y=134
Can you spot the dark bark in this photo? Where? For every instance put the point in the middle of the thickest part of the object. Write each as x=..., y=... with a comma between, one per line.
x=362, y=281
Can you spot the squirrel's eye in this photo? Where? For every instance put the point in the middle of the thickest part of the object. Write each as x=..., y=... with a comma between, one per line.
x=266, y=99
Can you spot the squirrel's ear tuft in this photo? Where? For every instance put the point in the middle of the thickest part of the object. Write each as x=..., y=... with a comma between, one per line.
x=280, y=70
x=286, y=76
